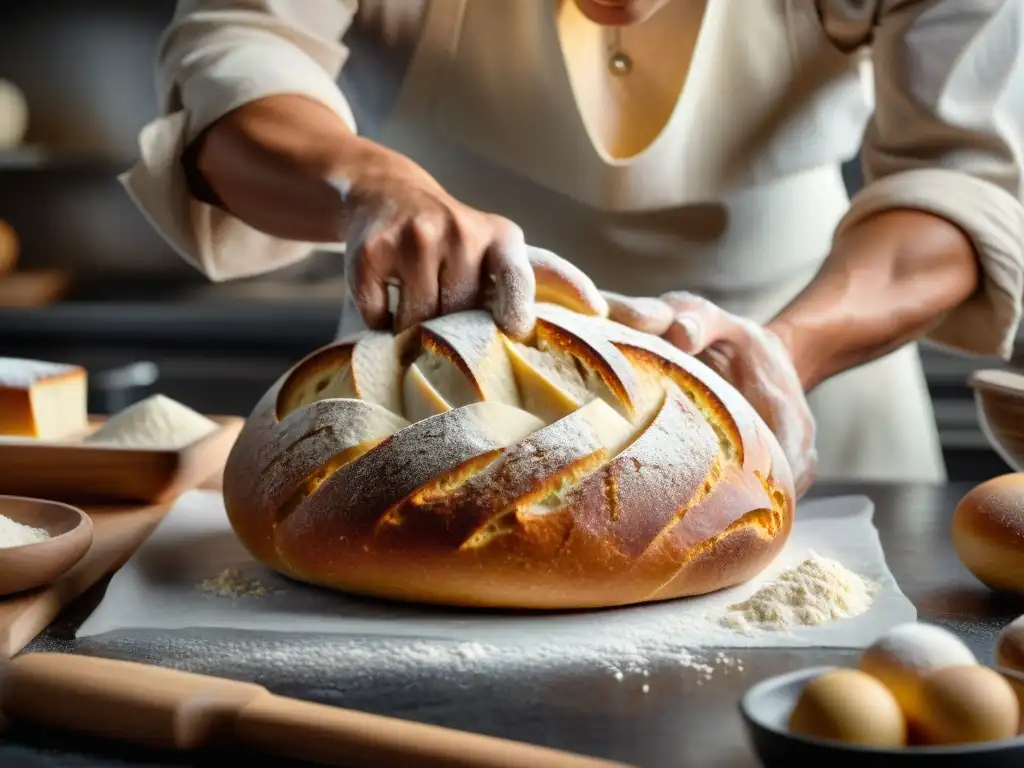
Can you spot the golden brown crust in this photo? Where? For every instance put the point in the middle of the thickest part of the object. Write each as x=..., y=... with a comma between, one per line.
x=674, y=488
x=988, y=532
x=9, y=245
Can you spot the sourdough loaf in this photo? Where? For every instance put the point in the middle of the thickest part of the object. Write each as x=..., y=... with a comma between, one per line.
x=593, y=466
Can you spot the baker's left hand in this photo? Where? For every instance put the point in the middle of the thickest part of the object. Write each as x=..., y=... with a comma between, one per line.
x=748, y=355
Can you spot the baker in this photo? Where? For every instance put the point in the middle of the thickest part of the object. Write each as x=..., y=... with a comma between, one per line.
x=682, y=150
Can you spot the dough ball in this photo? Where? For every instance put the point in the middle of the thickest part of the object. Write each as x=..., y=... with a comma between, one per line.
x=849, y=706
x=967, y=704
x=1010, y=646
x=906, y=654
x=988, y=532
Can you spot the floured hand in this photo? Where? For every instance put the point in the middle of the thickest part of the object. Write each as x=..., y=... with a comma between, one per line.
x=757, y=363
x=402, y=228
x=641, y=313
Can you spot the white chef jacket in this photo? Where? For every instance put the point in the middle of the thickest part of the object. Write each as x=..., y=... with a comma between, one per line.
x=737, y=198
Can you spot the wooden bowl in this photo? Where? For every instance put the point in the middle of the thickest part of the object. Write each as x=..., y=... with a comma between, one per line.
x=37, y=564
x=999, y=395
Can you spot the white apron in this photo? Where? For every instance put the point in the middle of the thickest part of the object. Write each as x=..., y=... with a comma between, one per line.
x=506, y=149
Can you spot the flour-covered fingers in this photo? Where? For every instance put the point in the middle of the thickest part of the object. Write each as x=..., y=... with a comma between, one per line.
x=640, y=313
x=507, y=264
x=697, y=323
x=419, y=261
x=561, y=282
x=369, y=266
x=460, y=278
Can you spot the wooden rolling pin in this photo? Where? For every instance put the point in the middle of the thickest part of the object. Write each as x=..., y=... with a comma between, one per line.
x=168, y=709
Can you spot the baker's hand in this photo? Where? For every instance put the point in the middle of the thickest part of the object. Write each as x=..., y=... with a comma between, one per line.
x=757, y=363
x=404, y=229
x=746, y=354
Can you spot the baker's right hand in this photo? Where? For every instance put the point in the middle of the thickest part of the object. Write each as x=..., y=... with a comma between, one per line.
x=402, y=228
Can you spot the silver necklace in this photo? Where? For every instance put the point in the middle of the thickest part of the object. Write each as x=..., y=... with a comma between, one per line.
x=619, y=62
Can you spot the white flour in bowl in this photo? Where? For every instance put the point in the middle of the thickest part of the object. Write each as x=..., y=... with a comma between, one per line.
x=15, y=534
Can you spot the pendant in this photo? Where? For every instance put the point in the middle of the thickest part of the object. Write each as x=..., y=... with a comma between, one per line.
x=620, y=64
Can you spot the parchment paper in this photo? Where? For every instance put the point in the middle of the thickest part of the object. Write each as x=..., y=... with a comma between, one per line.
x=158, y=589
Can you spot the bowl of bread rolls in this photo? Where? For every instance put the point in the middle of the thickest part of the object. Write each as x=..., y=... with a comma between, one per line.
x=918, y=696
x=588, y=466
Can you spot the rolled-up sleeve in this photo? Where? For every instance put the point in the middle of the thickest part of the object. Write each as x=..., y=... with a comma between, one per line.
x=947, y=138
x=216, y=56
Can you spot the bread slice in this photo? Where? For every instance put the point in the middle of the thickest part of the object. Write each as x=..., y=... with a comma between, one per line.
x=605, y=370
x=463, y=356
x=364, y=367
x=43, y=400
x=419, y=398
x=545, y=390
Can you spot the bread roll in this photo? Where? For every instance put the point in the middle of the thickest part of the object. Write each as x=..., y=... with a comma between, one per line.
x=1010, y=646
x=8, y=248
x=988, y=532
x=594, y=466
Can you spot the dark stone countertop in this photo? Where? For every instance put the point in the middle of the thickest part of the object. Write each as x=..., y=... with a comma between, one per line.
x=682, y=720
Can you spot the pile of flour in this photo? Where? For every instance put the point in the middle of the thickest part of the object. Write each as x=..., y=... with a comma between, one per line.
x=816, y=591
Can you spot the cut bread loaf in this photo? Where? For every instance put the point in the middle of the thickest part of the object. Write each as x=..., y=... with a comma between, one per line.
x=43, y=400
x=593, y=466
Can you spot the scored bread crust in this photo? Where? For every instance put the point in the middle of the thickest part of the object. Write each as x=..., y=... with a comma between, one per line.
x=592, y=466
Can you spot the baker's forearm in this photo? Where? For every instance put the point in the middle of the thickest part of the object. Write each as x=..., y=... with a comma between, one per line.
x=887, y=281
x=268, y=163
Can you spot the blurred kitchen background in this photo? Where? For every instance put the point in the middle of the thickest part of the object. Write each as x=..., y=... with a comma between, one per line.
x=95, y=286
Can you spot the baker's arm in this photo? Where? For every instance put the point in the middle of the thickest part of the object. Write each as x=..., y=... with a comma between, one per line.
x=933, y=245
x=216, y=56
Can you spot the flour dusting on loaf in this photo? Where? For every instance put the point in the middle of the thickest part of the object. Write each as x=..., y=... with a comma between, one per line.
x=586, y=466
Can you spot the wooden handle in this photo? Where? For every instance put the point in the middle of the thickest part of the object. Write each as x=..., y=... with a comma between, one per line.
x=166, y=708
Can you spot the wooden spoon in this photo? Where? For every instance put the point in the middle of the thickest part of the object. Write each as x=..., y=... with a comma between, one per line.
x=34, y=565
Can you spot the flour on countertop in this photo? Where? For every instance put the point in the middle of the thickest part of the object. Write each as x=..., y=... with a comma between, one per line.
x=232, y=583
x=15, y=534
x=816, y=591
x=158, y=422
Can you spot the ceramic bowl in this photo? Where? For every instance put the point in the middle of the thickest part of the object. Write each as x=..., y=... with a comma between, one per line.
x=999, y=395
x=34, y=565
x=766, y=708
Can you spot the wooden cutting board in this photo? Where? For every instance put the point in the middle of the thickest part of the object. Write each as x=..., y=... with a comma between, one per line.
x=117, y=533
x=81, y=473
